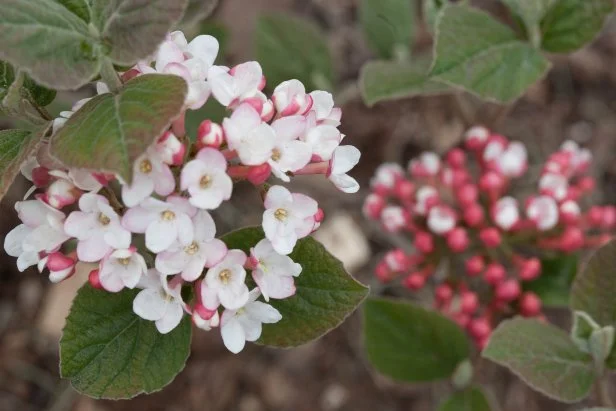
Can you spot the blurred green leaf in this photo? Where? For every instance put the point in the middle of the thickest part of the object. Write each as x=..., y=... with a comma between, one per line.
x=544, y=357
x=554, y=284
x=408, y=343
x=388, y=26
x=15, y=147
x=570, y=24
x=470, y=399
x=531, y=12
x=289, y=47
x=197, y=11
x=80, y=8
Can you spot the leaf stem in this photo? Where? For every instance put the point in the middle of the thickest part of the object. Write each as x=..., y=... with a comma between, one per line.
x=110, y=76
x=603, y=392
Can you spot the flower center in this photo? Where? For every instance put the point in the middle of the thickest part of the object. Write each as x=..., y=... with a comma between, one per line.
x=124, y=261
x=205, y=182
x=224, y=276
x=145, y=166
x=276, y=154
x=103, y=219
x=168, y=215
x=281, y=214
x=192, y=248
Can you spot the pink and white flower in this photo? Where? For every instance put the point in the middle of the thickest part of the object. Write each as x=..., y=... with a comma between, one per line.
x=441, y=219
x=150, y=175
x=121, y=268
x=505, y=213
x=554, y=185
x=428, y=164
x=230, y=87
x=290, y=98
x=273, y=272
x=245, y=324
x=543, y=211
x=206, y=179
x=287, y=218
x=385, y=176
x=206, y=324
x=323, y=107
x=253, y=140
x=343, y=160
x=97, y=227
x=425, y=198
x=394, y=218
x=59, y=265
x=224, y=283
x=322, y=138
x=163, y=222
x=159, y=302
x=289, y=153
x=190, y=260
x=170, y=149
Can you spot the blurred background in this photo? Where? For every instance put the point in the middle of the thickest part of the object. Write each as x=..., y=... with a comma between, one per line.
x=577, y=101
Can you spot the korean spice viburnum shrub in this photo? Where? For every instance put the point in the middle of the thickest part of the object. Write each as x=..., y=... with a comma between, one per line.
x=119, y=185
x=477, y=245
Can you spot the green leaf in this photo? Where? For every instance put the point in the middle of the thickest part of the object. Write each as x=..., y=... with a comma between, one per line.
x=107, y=351
x=80, y=8
x=594, y=290
x=325, y=293
x=49, y=42
x=410, y=343
x=385, y=80
x=582, y=329
x=554, y=284
x=35, y=93
x=430, y=12
x=483, y=56
x=544, y=357
x=572, y=23
x=531, y=12
x=15, y=147
x=196, y=11
x=7, y=76
x=133, y=29
x=110, y=131
x=289, y=47
x=388, y=26
x=471, y=399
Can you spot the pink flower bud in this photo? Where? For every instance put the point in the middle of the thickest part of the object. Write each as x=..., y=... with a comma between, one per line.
x=494, y=273
x=609, y=217
x=61, y=193
x=170, y=149
x=394, y=218
x=530, y=269
x=586, y=184
x=530, y=304
x=94, y=280
x=441, y=219
x=476, y=138
x=456, y=158
x=467, y=194
x=209, y=134
x=268, y=111
x=543, y=212
x=428, y=164
x=490, y=237
x=492, y=182
x=426, y=197
x=396, y=260
x=469, y=302
x=569, y=212
x=462, y=319
x=60, y=266
x=415, y=281
x=474, y=265
x=443, y=293
x=473, y=215
x=40, y=176
x=571, y=240
x=424, y=242
x=457, y=239
x=404, y=189
x=505, y=213
x=373, y=205
x=259, y=174
x=508, y=290
x=202, y=311
x=319, y=216
x=480, y=328
x=383, y=272
x=594, y=216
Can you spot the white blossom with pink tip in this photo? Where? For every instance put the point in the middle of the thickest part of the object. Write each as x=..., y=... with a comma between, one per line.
x=121, y=268
x=159, y=301
x=150, y=175
x=273, y=272
x=206, y=179
x=224, y=283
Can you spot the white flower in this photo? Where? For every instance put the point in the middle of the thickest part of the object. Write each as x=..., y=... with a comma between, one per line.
x=190, y=260
x=97, y=227
x=287, y=218
x=441, y=219
x=224, y=283
x=290, y=98
x=543, y=211
x=206, y=179
x=46, y=225
x=249, y=136
x=230, y=87
x=425, y=197
x=514, y=160
x=505, y=213
x=159, y=302
x=554, y=185
x=150, y=174
x=122, y=268
x=273, y=272
x=393, y=218
x=13, y=245
x=288, y=153
x=343, y=160
x=323, y=107
x=323, y=138
x=245, y=324
x=164, y=223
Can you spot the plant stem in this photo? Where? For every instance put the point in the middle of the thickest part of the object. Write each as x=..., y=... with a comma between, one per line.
x=110, y=76
x=603, y=392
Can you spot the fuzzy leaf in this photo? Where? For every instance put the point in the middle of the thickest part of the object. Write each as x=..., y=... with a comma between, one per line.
x=471, y=399
x=388, y=26
x=110, y=131
x=289, y=47
x=15, y=147
x=388, y=80
x=544, y=357
x=594, y=290
x=133, y=29
x=49, y=42
x=80, y=8
x=197, y=10
x=483, y=56
x=107, y=351
x=37, y=94
x=410, y=343
x=554, y=284
x=326, y=294
x=531, y=12
x=572, y=23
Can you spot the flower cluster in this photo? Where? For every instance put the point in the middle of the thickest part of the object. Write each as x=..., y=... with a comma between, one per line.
x=459, y=213
x=156, y=232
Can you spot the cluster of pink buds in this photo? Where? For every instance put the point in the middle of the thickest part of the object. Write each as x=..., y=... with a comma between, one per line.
x=156, y=233
x=471, y=239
